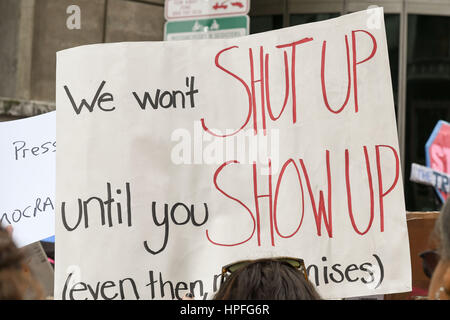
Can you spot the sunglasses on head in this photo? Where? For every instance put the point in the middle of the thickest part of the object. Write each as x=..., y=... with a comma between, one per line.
x=235, y=266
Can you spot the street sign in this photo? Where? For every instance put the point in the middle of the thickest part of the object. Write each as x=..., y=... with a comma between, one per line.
x=216, y=28
x=430, y=177
x=437, y=151
x=191, y=9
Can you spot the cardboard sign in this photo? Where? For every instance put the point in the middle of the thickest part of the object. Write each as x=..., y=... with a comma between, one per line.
x=191, y=9
x=27, y=171
x=176, y=158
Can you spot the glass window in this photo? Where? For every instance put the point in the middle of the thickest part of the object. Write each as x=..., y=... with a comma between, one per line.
x=428, y=97
x=296, y=19
x=392, y=24
x=265, y=23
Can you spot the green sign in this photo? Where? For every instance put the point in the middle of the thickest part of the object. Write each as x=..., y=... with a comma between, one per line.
x=215, y=28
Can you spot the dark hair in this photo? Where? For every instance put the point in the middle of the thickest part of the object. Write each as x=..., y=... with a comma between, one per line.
x=267, y=279
x=15, y=282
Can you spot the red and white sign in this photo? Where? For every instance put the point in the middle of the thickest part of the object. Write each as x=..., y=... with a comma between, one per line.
x=437, y=151
x=189, y=155
x=190, y=9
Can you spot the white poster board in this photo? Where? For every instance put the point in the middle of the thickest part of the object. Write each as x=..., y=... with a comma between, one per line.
x=177, y=158
x=27, y=171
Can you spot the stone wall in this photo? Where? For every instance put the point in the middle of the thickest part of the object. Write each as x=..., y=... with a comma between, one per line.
x=131, y=21
x=32, y=31
x=50, y=34
x=9, y=16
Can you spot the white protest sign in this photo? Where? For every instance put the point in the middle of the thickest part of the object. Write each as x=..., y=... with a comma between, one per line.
x=27, y=171
x=176, y=158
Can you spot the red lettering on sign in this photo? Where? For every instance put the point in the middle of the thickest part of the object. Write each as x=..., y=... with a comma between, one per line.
x=293, y=45
x=355, y=63
x=275, y=205
x=380, y=180
x=322, y=77
x=320, y=211
x=216, y=174
x=247, y=89
x=349, y=192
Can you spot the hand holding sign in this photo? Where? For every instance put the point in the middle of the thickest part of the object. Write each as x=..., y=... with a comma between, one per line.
x=10, y=230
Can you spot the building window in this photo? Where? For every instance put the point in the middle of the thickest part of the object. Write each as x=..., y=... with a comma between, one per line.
x=296, y=19
x=428, y=96
x=265, y=23
x=392, y=24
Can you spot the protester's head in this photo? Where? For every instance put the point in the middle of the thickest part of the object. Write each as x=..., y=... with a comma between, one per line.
x=266, y=279
x=440, y=281
x=16, y=282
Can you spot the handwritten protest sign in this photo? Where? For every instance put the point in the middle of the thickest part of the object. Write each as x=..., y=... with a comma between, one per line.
x=175, y=159
x=27, y=171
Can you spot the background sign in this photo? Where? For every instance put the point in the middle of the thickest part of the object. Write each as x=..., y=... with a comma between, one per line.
x=437, y=152
x=181, y=157
x=189, y=9
x=216, y=28
x=27, y=171
x=430, y=177
x=39, y=266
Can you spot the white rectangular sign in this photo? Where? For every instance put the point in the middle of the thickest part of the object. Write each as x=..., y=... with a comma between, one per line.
x=430, y=177
x=215, y=28
x=176, y=158
x=27, y=171
x=191, y=9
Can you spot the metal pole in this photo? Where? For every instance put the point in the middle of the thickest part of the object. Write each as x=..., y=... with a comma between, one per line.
x=402, y=79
